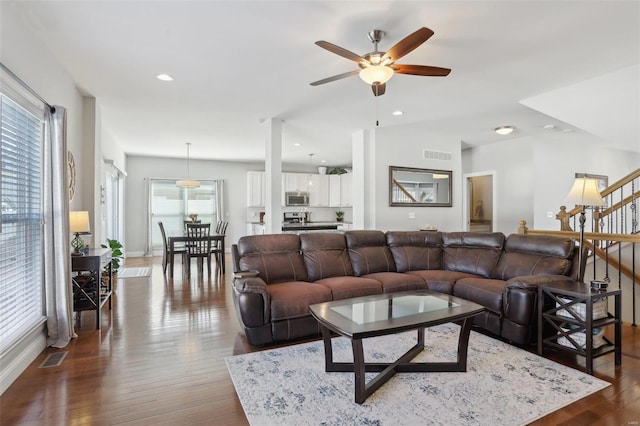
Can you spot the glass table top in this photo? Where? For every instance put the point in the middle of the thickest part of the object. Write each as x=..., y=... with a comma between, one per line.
x=363, y=312
x=386, y=313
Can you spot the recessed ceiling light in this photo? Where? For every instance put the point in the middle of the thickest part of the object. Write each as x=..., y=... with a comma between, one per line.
x=164, y=77
x=323, y=161
x=296, y=144
x=504, y=130
x=397, y=112
x=549, y=126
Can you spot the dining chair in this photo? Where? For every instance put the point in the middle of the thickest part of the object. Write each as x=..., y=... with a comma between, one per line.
x=181, y=250
x=216, y=249
x=186, y=222
x=198, y=246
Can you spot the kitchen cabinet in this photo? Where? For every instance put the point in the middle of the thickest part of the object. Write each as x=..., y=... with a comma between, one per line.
x=318, y=190
x=335, y=189
x=346, y=185
x=296, y=182
x=255, y=189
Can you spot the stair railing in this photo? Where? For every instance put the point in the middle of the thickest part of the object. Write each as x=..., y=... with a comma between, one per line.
x=607, y=230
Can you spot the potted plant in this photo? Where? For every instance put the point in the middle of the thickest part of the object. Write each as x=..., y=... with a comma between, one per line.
x=116, y=254
x=339, y=215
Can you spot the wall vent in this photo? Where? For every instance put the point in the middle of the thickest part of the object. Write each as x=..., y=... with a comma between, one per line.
x=53, y=360
x=436, y=155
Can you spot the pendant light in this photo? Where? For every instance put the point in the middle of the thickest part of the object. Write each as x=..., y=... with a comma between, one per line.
x=188, y=183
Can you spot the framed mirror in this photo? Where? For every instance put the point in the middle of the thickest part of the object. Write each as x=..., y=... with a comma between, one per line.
x=419, y=187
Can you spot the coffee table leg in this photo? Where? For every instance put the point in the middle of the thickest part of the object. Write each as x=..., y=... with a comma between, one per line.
x=463, y=344
x=359, y=371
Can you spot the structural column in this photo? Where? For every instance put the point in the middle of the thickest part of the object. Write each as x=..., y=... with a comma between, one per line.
x=273, y=176
x=363, y=160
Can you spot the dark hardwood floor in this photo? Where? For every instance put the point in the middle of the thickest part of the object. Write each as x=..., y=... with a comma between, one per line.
x=159, y=359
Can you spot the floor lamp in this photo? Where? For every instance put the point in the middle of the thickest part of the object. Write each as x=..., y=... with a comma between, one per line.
x=584, y=193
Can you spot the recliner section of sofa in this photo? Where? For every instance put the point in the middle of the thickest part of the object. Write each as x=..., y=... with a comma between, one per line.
x=279, y=276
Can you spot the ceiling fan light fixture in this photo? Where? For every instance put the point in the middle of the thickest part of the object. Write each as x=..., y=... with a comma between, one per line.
x=504, y=130
x=376, y=74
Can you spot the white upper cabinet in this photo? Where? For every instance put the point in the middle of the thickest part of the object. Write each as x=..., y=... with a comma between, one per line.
x=318, y=190
x=335, y=188
x=296, y=182
x=346, y=189
x=255, y=189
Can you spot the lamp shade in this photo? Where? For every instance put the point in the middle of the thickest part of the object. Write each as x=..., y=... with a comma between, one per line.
x=584, y=192
x=376, y=74
x=79, y=222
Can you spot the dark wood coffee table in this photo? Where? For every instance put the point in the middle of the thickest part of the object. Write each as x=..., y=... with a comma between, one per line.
x=382, y=314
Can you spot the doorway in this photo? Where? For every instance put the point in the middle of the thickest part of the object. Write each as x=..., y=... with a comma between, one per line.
x=480, y=209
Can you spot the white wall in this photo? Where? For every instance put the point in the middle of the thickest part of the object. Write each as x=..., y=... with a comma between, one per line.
x=139, y=168
x=403, y=146
x=534, y=174
x=572, y=154
x=512, y=161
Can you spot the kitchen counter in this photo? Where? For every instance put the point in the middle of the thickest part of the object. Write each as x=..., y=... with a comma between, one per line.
x=310, y=226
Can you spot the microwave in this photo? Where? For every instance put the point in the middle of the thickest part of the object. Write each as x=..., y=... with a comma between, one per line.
x=296, y=199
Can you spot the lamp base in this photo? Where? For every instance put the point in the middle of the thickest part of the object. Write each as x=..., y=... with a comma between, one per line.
x=77, y=243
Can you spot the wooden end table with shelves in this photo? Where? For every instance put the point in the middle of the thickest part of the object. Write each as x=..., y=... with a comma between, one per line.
x=90, y=292
x=572, y=316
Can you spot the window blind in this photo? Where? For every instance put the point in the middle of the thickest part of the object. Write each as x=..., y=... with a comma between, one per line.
x=21, y=280
x=172, y=206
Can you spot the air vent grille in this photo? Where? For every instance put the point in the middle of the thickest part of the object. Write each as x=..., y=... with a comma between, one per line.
x=53, y=360
x=427, y=154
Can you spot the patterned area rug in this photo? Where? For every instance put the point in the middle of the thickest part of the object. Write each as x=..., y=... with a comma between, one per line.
x=503, y=385
x=134, y=272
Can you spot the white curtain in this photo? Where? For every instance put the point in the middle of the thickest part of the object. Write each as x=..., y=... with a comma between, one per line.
x=57, y=257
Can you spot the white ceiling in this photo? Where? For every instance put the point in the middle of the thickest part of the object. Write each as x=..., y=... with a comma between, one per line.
x=236, y=63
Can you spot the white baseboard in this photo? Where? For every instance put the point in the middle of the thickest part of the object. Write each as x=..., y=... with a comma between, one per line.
x=18, y=358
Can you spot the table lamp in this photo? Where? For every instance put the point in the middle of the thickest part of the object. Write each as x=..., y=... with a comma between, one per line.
x=584, y=192
x=78, y=224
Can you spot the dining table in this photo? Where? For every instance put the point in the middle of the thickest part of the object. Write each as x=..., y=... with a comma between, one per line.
x=181, y=237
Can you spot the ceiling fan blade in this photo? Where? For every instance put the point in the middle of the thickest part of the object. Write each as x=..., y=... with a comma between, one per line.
x=340, y=51
x=407, y=44
x=378, y=89
x=335, y=77
x=421, y=70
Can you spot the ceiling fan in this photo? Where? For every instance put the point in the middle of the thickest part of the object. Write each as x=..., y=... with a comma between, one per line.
x=376, y=68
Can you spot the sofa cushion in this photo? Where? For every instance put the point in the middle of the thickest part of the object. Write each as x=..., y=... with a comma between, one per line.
x=325, y=255
x=439, y=280
x=396, y=281
x=277, y=258
x=348, y=286
x=292, y=299
x=369, y=252
x=535, y=255
x=486, y=292
x=472, y=252
x=415, y=250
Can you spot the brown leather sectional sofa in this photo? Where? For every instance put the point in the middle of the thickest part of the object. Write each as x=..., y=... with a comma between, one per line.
x=278, y=276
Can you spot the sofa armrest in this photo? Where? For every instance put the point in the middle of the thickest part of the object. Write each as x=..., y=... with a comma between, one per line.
x=252, y=299
x=246, y=274
x=520, y=301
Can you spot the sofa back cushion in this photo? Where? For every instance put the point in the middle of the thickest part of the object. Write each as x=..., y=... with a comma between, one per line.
x=369, y=252
x=415, y=250
x=471, y=252
x=276, y=257
x=325, y=255
x=535, y=255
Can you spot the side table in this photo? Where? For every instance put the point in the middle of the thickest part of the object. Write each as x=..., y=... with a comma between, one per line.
x=572, y=314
